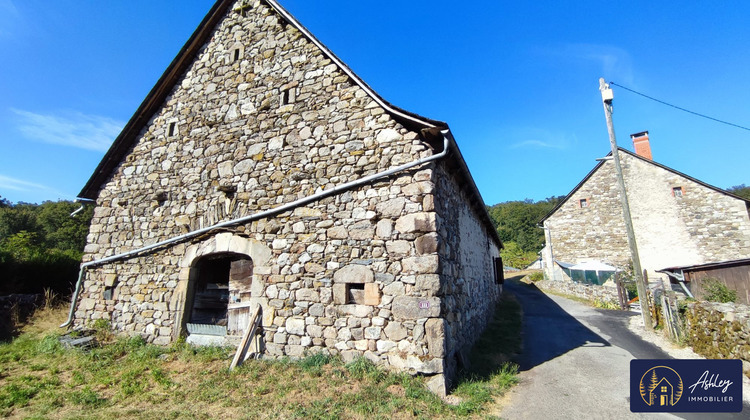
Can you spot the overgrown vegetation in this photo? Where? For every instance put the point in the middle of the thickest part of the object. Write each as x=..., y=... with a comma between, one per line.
x=41, y=246
x=716, y=291
x=517, y=225
x=127, y=378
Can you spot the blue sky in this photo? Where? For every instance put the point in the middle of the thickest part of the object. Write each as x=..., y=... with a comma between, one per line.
x=516, y=81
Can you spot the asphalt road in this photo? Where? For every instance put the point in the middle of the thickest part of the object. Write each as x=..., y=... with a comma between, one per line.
x=575, y=362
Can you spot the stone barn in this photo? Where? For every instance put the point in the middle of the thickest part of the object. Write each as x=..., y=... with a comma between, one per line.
x=260, y=171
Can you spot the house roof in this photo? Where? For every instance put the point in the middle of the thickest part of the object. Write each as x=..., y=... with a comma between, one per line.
x=156, y=97
x=713, y=265
x=628, y=152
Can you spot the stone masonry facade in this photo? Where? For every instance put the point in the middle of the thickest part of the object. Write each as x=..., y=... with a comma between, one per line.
x=677, y=221
x=263, y=117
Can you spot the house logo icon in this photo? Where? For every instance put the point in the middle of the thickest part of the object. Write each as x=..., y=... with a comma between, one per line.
x=661, y=386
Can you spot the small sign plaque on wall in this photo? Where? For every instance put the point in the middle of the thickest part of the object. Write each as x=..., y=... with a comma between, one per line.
x=424, y=304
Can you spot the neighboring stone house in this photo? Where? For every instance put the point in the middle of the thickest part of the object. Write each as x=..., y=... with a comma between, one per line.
x=260, y=170
x=678, y=220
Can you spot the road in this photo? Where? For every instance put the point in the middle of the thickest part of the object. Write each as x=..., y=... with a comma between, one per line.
x=575, y=362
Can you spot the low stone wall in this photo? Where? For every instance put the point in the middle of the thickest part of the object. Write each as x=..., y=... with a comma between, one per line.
x=720, y=331
x=604, y=294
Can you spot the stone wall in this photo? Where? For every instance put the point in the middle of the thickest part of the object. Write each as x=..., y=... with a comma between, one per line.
x=260, y=119
x=701, y=226
x=720, y=331
x=468, y=287
x=591, y=292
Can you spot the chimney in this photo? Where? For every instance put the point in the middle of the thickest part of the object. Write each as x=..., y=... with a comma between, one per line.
x=641, y=145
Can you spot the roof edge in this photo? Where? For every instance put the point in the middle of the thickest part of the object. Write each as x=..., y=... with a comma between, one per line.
x=153, y=100
x=633, y=154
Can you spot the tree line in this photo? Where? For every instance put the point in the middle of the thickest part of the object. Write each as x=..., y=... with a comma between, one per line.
x=41, y=245
x=517, y=225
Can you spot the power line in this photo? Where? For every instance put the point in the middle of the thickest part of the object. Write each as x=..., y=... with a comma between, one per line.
x=681, y=109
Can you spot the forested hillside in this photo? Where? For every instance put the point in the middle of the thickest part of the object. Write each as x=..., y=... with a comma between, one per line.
x=41, y=245
x=517, y=225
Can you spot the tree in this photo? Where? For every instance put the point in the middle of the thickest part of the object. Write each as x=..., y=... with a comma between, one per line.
x=517, y=221
x=41, y=246
x=514, y=256
x=654, y=382
x=740, y=190
x=14, y=219
x=61, y=231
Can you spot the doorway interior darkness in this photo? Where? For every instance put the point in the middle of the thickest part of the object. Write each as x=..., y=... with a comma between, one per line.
x=213, y=290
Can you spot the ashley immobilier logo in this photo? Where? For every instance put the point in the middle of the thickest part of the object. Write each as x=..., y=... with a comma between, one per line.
x=675, y=385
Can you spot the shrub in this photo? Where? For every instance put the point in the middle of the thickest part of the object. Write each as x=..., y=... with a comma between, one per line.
x=716, y=291
x=536, y=276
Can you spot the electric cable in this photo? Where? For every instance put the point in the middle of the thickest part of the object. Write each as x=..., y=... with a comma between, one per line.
x=680, y=108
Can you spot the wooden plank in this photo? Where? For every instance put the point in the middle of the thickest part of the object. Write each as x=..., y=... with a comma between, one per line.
x=252, y=326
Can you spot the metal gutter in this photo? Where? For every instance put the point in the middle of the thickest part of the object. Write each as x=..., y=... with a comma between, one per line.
x=260, y=215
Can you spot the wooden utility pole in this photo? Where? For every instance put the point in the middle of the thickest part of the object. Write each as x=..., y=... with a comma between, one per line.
x=607, y=97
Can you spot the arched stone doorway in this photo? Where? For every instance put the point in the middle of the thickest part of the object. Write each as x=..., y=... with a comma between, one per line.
x=214, y=258
x=219, y=283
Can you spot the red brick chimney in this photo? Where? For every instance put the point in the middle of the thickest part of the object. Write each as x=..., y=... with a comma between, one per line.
x=641, y=145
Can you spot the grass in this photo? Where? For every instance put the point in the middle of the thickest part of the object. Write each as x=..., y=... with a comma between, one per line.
x=128, y=378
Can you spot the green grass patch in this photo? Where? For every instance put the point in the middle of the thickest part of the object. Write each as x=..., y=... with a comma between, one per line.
x=491, y=371
x=128, y=378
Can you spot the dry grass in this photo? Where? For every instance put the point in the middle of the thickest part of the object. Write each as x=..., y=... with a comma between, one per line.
x=127, y=378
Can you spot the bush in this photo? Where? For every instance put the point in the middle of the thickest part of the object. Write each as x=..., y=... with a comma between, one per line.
x=536, y=276
x=716, y=291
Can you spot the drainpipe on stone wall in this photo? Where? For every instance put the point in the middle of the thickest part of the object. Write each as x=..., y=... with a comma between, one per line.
x=285, y=207
x=83, y=205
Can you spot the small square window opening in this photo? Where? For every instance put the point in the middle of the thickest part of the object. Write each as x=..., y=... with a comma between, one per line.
x=677, y=192
x=355, y=293
x=584, y=202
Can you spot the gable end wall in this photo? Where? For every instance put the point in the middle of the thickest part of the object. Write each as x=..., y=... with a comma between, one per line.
x=702, y=226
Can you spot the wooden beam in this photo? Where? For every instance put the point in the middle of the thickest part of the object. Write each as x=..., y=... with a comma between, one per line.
x=252, y=327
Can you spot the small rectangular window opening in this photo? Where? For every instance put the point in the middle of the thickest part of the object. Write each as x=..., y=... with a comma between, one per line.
x=287, y=97
x=236, y=54
x=677, y=192
x=355, y=293
x=172, y=129
x=584, y=202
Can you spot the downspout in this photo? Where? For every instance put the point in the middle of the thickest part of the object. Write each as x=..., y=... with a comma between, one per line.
x=83, y=205
x=260, y=215
x=680, y=277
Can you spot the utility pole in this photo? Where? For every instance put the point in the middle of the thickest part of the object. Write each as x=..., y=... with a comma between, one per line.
x=607, y=97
